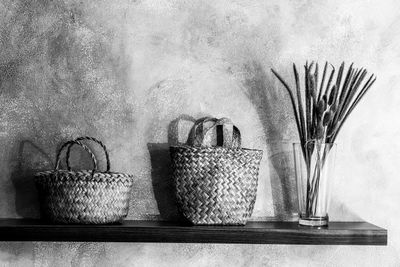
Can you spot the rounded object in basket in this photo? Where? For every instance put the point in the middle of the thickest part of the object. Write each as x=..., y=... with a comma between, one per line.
x=216, y=185
x=87, y=196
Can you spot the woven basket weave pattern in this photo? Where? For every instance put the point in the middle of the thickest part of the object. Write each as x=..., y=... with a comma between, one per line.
x=216, y=185
x=85, y=197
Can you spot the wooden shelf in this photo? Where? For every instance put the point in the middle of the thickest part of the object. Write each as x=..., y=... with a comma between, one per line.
x=338, y=233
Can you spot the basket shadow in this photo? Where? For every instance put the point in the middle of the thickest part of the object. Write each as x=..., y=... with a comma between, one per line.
x=161, y=171
x=28, y=160
x=264, y=95
x=162, y=182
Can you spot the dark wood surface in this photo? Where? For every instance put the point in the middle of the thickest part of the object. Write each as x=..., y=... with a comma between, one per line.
x=338, y=233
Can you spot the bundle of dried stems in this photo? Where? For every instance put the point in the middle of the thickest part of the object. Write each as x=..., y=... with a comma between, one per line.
x=321, y=109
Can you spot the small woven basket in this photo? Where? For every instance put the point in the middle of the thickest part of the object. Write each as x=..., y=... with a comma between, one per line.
x=84, y=197
x=215, y=184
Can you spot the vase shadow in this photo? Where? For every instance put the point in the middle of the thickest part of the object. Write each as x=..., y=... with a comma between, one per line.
x=271, y=106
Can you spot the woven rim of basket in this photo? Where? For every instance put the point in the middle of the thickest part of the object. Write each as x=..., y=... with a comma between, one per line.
x=198, y=148
x=83, y=175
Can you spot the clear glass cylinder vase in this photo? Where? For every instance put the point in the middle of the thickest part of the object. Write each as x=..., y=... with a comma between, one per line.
x=314, y=170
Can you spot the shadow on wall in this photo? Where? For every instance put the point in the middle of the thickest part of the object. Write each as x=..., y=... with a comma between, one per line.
x=161, y=171
x=162, y=180
x=29, y=160
x=72, y=80
x=262, y=92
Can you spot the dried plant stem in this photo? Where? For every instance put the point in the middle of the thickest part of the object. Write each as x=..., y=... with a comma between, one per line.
x=322, y=82
x=300, y=103
x=292, y=101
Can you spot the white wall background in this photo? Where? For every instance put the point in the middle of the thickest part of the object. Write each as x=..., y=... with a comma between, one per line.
x=123, y=70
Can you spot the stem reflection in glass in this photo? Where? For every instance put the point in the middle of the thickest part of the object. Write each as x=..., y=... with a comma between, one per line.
x=314, y=171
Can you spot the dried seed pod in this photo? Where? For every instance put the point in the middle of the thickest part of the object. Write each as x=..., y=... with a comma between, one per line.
x=326, y=118
x=333, y=108
x=325, y=98
x=321, y=108
x=333, y=95
x=313, y=87
x=320, y=130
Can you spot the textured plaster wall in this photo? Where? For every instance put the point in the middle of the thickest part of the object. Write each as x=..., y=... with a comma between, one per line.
x=124, y=70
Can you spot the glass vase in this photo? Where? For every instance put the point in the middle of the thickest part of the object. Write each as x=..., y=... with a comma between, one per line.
x=314, y=167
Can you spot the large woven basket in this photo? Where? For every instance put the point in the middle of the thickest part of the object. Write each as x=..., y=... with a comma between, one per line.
x=215, y=184
x=85, y=197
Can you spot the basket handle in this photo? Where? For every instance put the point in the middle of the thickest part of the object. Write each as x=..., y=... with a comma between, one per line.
x=197, y=131
x=225, y=137
x=94, y=140
x=69, y=144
